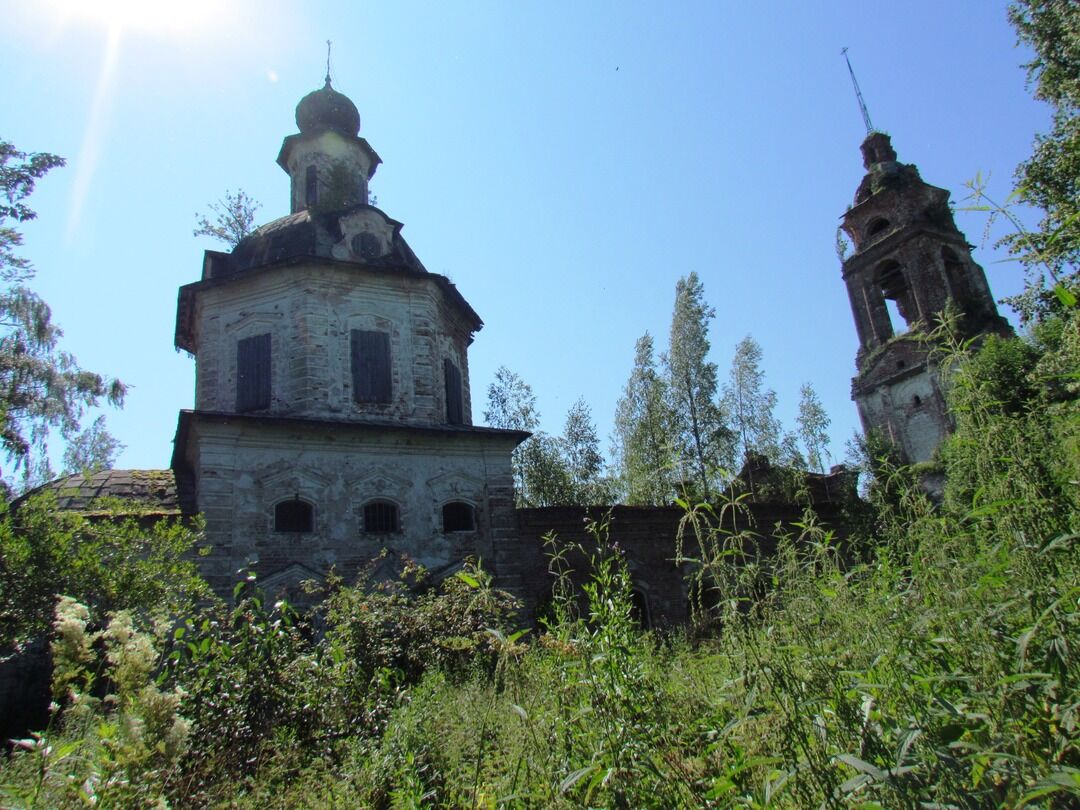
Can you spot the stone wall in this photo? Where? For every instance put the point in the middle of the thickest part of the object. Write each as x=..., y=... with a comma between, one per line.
x=309, y=314
x=245, y=466
x=648, y=538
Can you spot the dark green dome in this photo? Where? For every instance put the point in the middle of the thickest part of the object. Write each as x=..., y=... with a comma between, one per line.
x=327, y=109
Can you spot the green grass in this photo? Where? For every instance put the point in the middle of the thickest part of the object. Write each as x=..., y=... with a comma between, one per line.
x=938, y=668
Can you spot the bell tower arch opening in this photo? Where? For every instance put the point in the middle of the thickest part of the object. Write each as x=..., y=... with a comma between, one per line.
x=893, y=284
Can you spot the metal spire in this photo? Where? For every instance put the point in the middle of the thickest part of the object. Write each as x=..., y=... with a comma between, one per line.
x=858, y=93
x=328, y=61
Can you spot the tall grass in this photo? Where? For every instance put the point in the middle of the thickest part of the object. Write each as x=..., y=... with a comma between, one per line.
x=931, y=662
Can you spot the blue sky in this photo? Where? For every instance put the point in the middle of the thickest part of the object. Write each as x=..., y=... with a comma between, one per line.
x=564, y=163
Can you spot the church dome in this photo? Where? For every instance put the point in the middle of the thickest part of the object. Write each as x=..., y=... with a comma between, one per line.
x=327, y=109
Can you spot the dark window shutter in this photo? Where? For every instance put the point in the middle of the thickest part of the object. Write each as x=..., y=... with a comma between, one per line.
x=311, y=186
x=453, y=393
x=371, y=366
x=253, y=373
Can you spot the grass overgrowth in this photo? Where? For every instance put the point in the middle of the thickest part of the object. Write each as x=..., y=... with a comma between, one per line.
x=935, y=667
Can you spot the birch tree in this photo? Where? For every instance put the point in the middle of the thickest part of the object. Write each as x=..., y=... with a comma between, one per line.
x=751, y=404
x=813, y=424
x=703, y=439
x=643, y=432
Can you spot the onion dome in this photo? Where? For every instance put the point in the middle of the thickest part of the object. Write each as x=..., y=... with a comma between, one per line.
x=327, y=109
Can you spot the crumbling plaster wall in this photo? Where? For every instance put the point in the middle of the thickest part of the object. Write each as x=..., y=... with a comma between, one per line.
x=244, y=468
x=309, y=312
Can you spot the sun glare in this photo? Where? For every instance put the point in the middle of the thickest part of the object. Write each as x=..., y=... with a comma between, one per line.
x=151, y=16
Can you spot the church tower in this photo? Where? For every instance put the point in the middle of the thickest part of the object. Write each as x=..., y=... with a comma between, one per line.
x=332, y=426
x=909, y=262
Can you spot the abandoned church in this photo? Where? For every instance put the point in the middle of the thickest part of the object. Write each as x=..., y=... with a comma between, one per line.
x=333, y=425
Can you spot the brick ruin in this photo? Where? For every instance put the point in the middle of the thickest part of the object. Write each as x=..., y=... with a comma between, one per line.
x=332, y=427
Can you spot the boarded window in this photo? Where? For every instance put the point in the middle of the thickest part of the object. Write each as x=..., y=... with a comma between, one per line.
x=311, y=186
x=453, y=393
x=371, y=366
x=253, y=373
x=458, y=516
x=294, y=515
x=381, y=517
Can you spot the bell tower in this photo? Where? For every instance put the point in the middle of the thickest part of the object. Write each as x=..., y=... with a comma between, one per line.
x=909, y=263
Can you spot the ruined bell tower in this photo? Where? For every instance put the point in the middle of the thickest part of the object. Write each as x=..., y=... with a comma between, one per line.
x=909, y=263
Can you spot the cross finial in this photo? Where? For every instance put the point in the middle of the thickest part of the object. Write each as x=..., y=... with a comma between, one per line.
x=328, y=61
x=858, y=93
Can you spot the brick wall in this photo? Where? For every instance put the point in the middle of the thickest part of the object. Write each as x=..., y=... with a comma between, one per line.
x=647, y=536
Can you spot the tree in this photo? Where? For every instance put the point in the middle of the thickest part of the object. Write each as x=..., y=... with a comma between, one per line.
x=92, y=450
x=813, y=424
x=643, y=429
x=511, y=404
x=540, y=475
x=545, y=476
x=17, y=183
x=751, y=404
x=1050, y=178
x=233, y=218
x=702, y=435
x=41, y=387
x=583, y=460
x=119, y=563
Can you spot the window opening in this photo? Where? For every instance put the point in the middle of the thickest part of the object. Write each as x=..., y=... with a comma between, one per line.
x=454, y=408
x=917, y=400
x=294, y=515
x=253, y=373
x=366, y=245
x=311, y=186
x=458, y=516
x=371, y=366
x=381, y=517
x=877, y=226
x=895, y=291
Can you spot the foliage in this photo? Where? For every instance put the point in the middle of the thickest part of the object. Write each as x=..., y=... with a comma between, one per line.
x=121, y=749
x=511, y=405
x=589, y=484
x=93, y=449
x=813, y=425
x=229, y=219
x=17, y=183
x=928, y=661
x=750, y=404
x=1050, y=178
x=107, y=564
x=643, y=420
x=44, y=387
x=704, y=440
x=548, y=470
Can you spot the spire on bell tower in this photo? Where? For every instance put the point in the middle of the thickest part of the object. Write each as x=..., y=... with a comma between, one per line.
x=858, y=93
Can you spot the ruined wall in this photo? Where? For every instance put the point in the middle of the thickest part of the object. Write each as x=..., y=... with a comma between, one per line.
x=309, y=313
x=647, y=536
x=244, y=467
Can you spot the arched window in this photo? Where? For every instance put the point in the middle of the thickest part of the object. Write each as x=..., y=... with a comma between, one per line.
x=458, y=516
x=294, y=515
x=639, y=608
x=381, y=517
x=896, y=292
x=876, y=226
